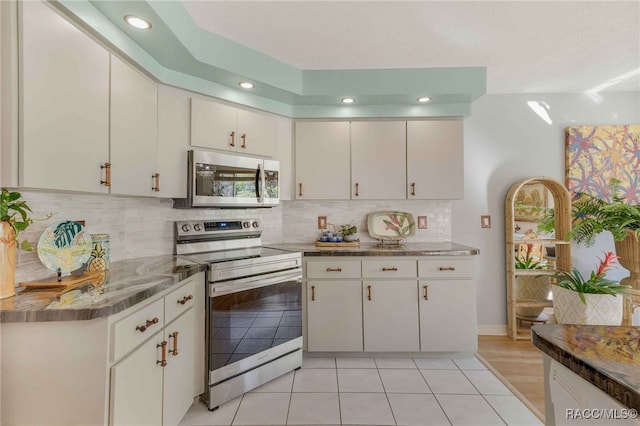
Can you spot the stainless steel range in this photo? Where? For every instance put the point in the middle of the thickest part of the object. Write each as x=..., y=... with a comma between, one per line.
x=254, y=305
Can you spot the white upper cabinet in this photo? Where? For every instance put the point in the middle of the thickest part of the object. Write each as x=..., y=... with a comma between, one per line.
x=323, y=160
x=65, y=103
x=435, y=160
x=134, y=118
x=173, y=141
x=378, y=160
x=218, y=126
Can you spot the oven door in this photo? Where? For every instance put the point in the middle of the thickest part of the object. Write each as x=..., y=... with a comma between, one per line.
x=253, y=321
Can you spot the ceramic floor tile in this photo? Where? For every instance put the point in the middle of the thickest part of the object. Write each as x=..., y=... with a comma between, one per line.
x=355, y=363
x=486, y=382
x=314, y=409
x=418, y=410
x=263, y=409
x=365, y=409
x=311, y=362
x=315, y=380
x=395, y=363
x=448, y=381
x=403, y=381
x=359, y=380
x=469, y=364
x=280, y=384
x=512, y=410
x=435, y=364
x=199, y=414
x=470, y=410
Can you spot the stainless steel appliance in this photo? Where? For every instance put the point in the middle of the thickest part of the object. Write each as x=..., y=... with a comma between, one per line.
x=225, y=180
x=253, y=305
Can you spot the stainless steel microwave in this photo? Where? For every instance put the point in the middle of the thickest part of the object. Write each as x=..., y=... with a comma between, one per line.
x=227, y=180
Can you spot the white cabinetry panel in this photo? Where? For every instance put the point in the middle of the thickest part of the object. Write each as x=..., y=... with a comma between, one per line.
x=173, y=141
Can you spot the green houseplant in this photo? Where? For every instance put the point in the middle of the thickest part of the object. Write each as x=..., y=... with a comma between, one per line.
x=593, y=300
x=531, y=288
x=348, y=232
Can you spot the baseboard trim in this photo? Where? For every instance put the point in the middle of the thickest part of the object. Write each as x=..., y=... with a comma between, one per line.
x=492, y=330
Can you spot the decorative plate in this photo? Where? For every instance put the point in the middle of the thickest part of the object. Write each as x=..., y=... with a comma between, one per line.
x=65, y=246
x=391, y=225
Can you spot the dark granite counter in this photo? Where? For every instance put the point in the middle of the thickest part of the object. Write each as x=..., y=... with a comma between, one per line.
x=126, y=283
x=374, y=249
x=606, y=356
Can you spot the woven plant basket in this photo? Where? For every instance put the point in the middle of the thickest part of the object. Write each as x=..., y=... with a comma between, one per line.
x=629, y=252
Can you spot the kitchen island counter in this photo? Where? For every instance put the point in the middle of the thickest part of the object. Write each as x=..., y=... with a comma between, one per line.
x=444, y=248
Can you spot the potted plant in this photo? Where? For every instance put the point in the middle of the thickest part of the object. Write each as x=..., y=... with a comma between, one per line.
x=592, y=301
x=531, y=288
x=348, y=232
x=14, y=218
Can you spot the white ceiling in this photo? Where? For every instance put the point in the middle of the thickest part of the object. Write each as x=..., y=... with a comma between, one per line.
x=527, y=46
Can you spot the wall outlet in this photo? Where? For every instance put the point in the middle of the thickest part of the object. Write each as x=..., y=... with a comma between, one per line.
x=322, y=222
x=422, y=222
x=485, y=221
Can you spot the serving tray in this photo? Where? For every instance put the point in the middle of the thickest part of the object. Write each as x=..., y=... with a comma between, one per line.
x=391, y=225
x=336, y=244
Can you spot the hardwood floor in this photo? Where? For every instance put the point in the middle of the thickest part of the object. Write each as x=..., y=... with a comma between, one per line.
x=520, y=364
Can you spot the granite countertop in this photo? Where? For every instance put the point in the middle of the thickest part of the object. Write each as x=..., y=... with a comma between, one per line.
x=445, y=248
x=126, y=283
x=606, y=356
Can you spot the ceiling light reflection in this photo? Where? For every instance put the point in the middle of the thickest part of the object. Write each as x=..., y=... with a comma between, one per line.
x=541, y=108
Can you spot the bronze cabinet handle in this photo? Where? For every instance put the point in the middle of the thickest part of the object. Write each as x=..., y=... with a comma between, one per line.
x=300, y=189
x=185, y=299
x=334, y=269
x=156, y=177
x=413, y=188
x=447, y=268
x=149, y=323
x=107, y=174
x=369, y=292
x=426, y=292
x=244, y=140
x=394, y=269
x=313, y=292
x=233, y=139
x=174, y=351
x=357, y=188
x=163, y=345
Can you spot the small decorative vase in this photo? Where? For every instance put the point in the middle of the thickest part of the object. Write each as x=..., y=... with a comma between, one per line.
x=8, y=246
x=629, y=252
x=532, y=288
x=600, y=309
x=349, y=238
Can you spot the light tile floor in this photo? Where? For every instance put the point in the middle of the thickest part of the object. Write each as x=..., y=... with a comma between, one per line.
x=374, y=391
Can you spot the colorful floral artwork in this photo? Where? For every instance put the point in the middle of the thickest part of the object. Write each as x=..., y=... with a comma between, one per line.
x=597, y=154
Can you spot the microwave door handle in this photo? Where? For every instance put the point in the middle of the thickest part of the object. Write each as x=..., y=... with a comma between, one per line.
x=259, y=184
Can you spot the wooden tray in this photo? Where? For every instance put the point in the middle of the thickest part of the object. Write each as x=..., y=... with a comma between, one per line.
x=340, y=244
x=52, y=282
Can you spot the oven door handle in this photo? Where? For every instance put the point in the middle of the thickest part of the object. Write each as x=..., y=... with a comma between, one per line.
x=264, y=280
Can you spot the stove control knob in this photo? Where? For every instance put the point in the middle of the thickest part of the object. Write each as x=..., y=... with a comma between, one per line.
x=197, y=227
x=245, y=224
x=186, y=227
x=255, y=224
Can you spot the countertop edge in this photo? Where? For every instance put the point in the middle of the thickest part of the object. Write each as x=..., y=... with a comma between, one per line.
x=422, y=249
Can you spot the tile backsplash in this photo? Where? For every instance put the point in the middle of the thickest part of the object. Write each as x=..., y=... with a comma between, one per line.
x=141, y=227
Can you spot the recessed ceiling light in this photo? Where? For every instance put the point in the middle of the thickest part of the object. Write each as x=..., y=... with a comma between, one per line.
x=424, y=99
x=136, y=22
x=348, y=100
x=246, y=85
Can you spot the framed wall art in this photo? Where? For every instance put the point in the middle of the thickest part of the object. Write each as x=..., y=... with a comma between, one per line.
x=531, y=202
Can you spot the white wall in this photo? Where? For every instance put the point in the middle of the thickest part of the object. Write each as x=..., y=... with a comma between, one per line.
x=506, y=141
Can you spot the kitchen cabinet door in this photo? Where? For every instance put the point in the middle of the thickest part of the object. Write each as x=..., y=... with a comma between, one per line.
x=323, y=160
x=435, y=160
x=256, y=133
x=334, y=316
x=213, y=125
x=133, y=144
x=64, y=103
x=378, y=160
x=390, y=312
x=173, y=141
x=448, y=316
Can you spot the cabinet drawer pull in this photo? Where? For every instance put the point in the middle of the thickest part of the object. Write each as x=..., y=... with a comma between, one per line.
x=244, y=140
x=163, y=345
x=426, y=292
x=447, y=268
x=394, y=269
x=369, y=292
x=156, y=177
x=149, y=323
x=334, y=269
x=300, y=189
x=174, y=351
x=107, y=174
x=313, y=292
x=233, y=139
x=357, y=188
x=185, y=299
x=413, y=188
